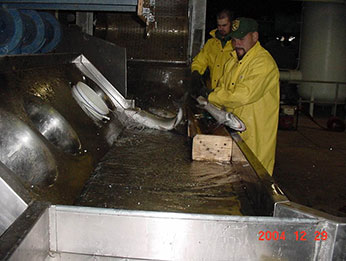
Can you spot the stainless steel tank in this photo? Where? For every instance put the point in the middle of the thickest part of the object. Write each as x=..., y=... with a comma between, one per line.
x=323, y=52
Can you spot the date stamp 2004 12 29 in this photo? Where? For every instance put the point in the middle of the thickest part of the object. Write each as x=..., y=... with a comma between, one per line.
x=298, y=235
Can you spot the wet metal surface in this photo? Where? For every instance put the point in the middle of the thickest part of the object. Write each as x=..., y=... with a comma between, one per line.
x=153, y=170
x=53, y=126
x=20, y=147
x=47, y=140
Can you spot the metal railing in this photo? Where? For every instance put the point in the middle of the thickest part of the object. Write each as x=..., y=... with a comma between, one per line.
x=312, y=100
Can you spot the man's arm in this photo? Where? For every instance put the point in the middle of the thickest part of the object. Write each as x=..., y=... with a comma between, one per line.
x=199, y=65
x=258, y=80
x=201, y=60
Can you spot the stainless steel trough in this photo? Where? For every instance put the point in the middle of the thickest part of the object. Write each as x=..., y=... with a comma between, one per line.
x=92, y=173
x=81, y=233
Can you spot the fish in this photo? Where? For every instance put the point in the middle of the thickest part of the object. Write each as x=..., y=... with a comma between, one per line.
x=138, y=118
x=221, y=116
x=161, y=112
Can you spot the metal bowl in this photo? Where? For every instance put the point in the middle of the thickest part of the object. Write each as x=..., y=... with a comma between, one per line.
x=53, y=126
x=23, y=152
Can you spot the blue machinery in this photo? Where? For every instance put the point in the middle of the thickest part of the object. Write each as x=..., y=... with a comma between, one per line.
x=15, y=31
x=77, y=5
x=28, y=31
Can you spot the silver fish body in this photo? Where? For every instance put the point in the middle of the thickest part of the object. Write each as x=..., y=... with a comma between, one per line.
x=162, y=112
x=140, y=118
x=221, y=116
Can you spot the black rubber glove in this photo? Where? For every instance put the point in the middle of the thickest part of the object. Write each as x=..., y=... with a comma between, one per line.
x=204, y=91
x=195, y=83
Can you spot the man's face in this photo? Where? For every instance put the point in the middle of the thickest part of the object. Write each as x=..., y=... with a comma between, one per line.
x=243, y=45
x=223, y=26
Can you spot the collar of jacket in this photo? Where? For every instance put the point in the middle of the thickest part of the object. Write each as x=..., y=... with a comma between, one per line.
x=215, y=34
x=251, y=52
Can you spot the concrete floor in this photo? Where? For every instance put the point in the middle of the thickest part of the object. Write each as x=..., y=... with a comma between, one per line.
x=311, y=165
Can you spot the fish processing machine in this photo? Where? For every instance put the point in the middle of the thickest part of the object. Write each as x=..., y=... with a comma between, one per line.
x=79, y=182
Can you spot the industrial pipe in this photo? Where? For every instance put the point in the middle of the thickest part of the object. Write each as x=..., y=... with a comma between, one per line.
x=290, y=75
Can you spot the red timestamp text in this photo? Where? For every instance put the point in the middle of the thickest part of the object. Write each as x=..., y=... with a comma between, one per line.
x=271, y=235
x=318, y=235
x=298, y=235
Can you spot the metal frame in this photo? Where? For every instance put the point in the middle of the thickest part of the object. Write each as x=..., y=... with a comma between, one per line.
x=197, y=16
x=11, y=204
x=267, y=183
x=86, y=67
x=312, y=101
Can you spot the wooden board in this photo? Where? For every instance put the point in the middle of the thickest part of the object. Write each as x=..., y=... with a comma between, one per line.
x=200, y=152
x=212, y=148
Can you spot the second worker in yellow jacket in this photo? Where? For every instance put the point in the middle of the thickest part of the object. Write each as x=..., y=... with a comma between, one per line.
x=214, y=54
x=249, y=88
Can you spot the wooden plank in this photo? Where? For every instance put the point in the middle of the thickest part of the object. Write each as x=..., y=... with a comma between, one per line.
x=212, y=148
x=196, y=128
x=237, y=155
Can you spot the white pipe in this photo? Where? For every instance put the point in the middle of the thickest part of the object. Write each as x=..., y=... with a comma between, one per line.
x=290, y=75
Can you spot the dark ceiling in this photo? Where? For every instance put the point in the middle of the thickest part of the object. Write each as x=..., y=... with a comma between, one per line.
x=256, y=9
x=277, y=19
x=276, y=16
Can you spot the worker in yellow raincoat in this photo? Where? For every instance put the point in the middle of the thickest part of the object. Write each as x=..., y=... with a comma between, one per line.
x=214, y=54
x=249, y=88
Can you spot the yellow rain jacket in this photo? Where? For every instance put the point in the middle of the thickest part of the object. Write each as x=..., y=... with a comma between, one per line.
x=213, y=56
x=250, y=90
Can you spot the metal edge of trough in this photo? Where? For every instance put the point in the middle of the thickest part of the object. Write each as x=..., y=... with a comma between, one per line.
x=269, y=185
x=13, y=237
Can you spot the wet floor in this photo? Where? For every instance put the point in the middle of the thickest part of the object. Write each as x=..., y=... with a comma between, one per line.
x=311, y=165
x=153, y=170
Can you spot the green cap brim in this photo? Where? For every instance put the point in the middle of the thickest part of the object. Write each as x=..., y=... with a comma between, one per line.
x=242, y=26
